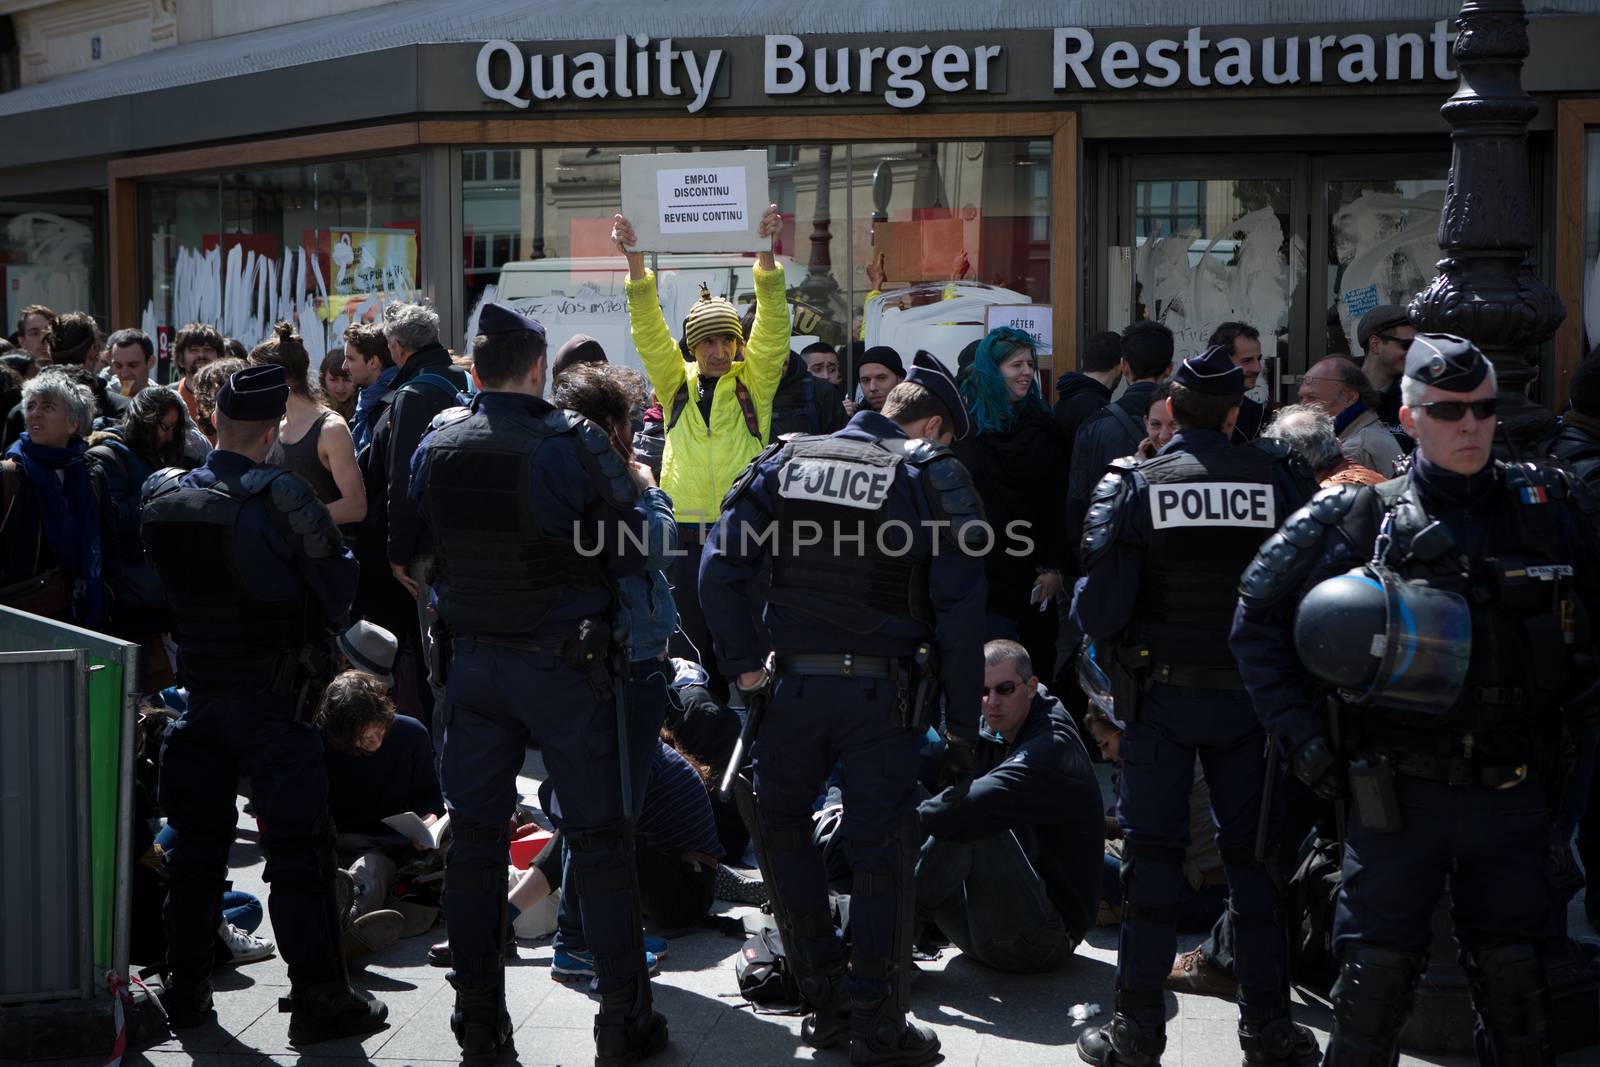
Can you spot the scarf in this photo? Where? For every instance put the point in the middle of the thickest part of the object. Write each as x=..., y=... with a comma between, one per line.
x=68, y=514
x=1347, y=416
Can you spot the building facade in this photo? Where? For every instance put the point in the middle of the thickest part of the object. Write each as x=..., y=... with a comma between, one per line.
x=1195, y=168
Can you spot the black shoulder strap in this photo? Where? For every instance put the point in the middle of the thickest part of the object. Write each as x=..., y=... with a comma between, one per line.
x=1128, y=422
x=747, y=406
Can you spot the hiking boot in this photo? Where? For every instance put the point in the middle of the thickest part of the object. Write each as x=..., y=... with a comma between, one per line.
x=243, y=947
x=881, y=1035
x=186, y=996
x=330, y=1010
x=628, y=1029
x=1192, y=974
x=1280, y=1043
x=1121, y=1043
x=372, y=932
x=828, y=996
x=482, y=1026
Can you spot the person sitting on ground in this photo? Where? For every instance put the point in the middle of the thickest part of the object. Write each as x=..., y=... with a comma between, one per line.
x=1337, y=386
x=337, y=390
x=312, y=441
x=59, y=548
x=1309, y=431
x=379, y=764
x=1010, y=871
x=1205, y=884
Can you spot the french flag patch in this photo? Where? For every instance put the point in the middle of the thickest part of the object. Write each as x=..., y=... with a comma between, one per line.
x=1534, y=494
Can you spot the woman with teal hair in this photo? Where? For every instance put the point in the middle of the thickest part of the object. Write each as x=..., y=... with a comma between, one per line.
x=1018, y=458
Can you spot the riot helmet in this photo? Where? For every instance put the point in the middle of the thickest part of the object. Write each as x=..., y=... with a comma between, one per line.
x=1381, y=639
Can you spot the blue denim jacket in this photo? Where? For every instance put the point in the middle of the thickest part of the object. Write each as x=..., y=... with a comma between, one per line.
x=648, y=615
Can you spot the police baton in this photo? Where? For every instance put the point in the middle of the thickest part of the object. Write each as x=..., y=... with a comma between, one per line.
x=755, y=707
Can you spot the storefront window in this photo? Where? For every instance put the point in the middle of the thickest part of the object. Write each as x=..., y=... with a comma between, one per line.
x=1383, y=244
x=858, y=219
x=1209, y=252
x=320, y=245
x=51, y=253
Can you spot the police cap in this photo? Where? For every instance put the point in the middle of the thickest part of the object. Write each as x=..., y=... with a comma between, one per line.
x=1446, y=362
x=497, y=318
x=928, y=372
x=255, y=394
x=1212, y=373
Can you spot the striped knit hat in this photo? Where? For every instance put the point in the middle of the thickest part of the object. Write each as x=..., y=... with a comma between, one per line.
x=710, y=316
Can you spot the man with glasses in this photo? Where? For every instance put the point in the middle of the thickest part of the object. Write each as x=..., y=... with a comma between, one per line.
x=1444, y=769
x=1384, y=334
x=1010, y=869
x=1337, y=386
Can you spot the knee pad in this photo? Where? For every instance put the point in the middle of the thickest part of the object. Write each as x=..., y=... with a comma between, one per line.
x=1374, y=994
x=1508, y=990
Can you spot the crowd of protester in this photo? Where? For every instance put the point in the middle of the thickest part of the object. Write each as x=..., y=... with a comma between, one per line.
x=1016, y=865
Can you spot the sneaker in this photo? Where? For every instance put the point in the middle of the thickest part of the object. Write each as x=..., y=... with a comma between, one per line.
x=1192, y=974
x=243, y=947
x=655, y=946
x=735, y=886
x=577, y=965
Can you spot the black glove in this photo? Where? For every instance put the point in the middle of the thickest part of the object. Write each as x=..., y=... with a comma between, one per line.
x=1323, y=770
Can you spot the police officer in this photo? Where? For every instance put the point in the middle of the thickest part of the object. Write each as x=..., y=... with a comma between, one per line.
x=873, y=535
x=259, y=582
x=1164, y=543
x=511, y=489
x=1458, y=639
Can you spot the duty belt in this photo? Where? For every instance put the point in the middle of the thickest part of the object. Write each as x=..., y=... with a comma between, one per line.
x=839, y=665
x=1196, y=677
x=1458, y=770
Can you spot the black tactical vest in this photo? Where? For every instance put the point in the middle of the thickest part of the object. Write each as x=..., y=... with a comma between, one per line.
x=1525, y=613
x=1208, y=515
x=498, y=573
x=833, y=486
x=223, y=629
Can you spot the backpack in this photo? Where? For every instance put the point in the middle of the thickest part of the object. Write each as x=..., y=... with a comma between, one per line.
x=1313, y=891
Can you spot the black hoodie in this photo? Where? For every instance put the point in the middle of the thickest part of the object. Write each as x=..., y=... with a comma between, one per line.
x=1042, y=788
x=1078, y=396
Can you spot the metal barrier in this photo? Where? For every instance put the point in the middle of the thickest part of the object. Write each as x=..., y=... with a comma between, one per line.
x=68, y=702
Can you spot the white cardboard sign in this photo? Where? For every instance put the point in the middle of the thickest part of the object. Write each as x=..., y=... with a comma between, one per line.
x=696, y=201
x=1032, y=319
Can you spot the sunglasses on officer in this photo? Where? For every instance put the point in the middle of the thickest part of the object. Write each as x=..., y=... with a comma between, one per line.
x=1004, y=689
x=1456, y=410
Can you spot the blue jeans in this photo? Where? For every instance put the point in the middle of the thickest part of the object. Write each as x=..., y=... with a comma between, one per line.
x=988, y=900
x=238, y=907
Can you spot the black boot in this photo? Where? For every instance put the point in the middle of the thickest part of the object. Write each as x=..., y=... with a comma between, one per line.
x=628, y=1029
x=482, y=1026
x=881, y=1035
x=828, y=996
x=187, y=998
x=1280, y=1043
x=1122, y=1042
x=330, y=1010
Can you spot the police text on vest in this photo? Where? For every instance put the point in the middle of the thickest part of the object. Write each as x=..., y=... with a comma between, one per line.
x=854, y=485
x=1212, y=504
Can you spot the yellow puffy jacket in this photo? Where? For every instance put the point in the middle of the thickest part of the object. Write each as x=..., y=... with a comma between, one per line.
x=701, y=461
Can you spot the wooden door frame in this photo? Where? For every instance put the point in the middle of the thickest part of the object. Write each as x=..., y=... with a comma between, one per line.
x=1060, y=127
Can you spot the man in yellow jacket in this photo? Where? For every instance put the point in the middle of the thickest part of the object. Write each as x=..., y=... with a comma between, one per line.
x=718, y=408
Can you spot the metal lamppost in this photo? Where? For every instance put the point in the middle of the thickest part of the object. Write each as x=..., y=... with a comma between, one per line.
x=1488, y=292
x=1486, y=289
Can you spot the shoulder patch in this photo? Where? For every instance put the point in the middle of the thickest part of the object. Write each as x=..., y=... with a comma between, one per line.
x=1099, y=523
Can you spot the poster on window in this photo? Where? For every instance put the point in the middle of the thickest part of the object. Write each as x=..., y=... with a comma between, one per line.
x=368, y=261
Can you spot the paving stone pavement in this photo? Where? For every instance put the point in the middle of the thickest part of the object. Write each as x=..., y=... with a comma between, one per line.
x=982, y=1018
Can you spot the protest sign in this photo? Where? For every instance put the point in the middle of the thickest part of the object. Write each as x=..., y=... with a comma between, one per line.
x=697, y=201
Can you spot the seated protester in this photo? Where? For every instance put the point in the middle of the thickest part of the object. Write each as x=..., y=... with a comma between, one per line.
x=1205, y=885
x=1010, y=871
x=1309, y=432
x=149, y=439
x=706, y=730
x=58, y=531
x=379, y=764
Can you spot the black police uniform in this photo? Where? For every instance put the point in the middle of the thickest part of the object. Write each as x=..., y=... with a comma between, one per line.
x=509, y=488
x=847, y=612
x=1163, y=545
x=1577, y=448
x=1437, y=792
x=258, y=581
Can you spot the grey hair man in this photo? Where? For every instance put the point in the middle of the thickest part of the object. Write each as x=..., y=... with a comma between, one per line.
x=409, y=328
x=1339, y=387
x=1308, y=430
